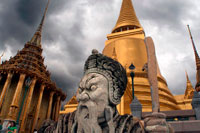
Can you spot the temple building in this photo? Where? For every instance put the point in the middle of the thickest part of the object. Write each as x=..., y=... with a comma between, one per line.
x=28, y=96
x=126, y=44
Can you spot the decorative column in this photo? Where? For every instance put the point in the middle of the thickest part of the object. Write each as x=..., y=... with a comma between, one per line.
x=38, y=107
x=6, y=86
x=50, y=104
x=54, y=112
x=15, y=102
x=27, y=105
x=57, y=108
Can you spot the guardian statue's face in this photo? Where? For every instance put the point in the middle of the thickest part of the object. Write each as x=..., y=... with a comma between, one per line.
x=93, y=92
x=100, y=90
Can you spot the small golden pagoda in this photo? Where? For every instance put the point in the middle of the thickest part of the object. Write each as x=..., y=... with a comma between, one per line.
x=126, y=44
x=184, y=100
x=27, y=94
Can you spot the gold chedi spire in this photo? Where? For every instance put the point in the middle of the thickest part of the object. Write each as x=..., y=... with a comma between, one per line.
x=36, y=39
x=127, y=42
x=193, y=45
x=187, y=77
x=189, y=88
x=197, y=59
x=127, y=17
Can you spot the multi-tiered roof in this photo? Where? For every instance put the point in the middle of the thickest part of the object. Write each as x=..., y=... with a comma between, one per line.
x=30, y=60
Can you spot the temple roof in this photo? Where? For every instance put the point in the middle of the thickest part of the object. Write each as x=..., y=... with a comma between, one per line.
x=30, y=60
x=127, y=16
x=73, y=100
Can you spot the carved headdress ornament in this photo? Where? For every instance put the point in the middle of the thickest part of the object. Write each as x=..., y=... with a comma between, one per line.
x=112, y=70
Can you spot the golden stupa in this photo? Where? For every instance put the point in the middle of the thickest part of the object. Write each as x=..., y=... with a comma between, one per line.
x=126, y=45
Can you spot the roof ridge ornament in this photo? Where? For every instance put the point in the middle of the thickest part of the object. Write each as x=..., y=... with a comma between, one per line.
x=36, y=39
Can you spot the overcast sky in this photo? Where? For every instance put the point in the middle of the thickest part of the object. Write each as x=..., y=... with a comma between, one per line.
x=74, y=27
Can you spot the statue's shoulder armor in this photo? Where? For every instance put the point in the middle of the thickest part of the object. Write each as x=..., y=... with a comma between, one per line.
x=128, y=124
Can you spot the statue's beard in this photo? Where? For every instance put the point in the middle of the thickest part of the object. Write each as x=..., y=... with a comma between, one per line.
x=87, y=118
x=91, y=111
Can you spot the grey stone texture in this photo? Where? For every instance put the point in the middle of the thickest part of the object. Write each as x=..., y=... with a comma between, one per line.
x=136, y=108
x=196, y=104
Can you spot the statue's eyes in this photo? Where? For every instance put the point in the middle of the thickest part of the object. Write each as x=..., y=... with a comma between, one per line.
x=93, y=87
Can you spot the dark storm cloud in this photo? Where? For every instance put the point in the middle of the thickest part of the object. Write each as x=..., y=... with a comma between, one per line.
x=164, y=13
x=20, y=18
x=30, y=10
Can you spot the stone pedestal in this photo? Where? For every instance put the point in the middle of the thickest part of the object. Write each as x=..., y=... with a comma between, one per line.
x=136, y=108
x=196, y=104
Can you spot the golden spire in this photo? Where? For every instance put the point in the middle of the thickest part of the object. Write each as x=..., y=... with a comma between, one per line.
x=196, y=56
x=189, y=88
x=127, y=16
x=193, y=45
x=187, y=77
x=36, y=39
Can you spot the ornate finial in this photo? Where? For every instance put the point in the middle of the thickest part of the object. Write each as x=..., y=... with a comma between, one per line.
x=187, y=77
x=94, y=51
x=43, y=18
x=193, y=44
x=196, y=56
x=36, y=39
x=127, y=16
x=189, y=88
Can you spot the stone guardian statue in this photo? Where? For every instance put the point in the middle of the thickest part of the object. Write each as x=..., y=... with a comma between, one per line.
x=100, y=91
